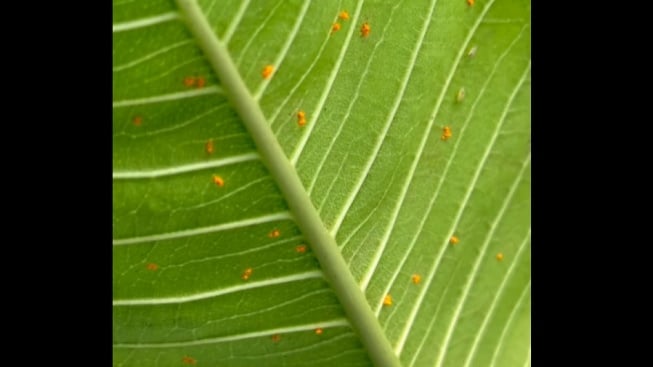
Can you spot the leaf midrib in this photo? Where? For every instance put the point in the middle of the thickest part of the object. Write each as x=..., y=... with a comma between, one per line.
x=306, y=217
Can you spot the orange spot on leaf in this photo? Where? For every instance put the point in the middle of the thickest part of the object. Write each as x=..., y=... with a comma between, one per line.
x=446, y=133
x=416, y=278
x=189, y=81
x=267, y=71
x=209, y=146
x=276, y=338
x=454, y=240
x=189, y=360
x=499, y=256
x=275, y=233
x=343, y=15
x=365, y=29
x=246, y=274
x=218, y=181
x=319, y=331
x=470, y=2
x=335, y=28
x=201, y=82
x=138, y=120
x=301, y=118
x=152, y=266
x=300, y=248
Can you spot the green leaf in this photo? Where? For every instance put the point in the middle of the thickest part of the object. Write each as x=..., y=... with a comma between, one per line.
x=279, y=244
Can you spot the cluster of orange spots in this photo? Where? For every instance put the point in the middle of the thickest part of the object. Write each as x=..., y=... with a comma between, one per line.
x=300, y=248
x=267, y=71
x=275, y=233
x=446, y=133
x=209, y=147
x=387, y=300
x=246, y=274
x=301, y=118
x=319, y=331
x=499, y=256
x=470, y=2
x=460, y=95
x=365, y=29
x=152, y=266
x=218, y=181
x=189, y=360
x=454, y=240
x=137, y=120
x=416, y=278
x=276, y=338
x=336, y=26
x=198, y=82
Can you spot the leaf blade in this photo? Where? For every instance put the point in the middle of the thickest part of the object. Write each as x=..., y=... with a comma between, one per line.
x=385, y=230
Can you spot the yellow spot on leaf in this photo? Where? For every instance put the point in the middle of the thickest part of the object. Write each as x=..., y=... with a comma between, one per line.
x=246, y=274
x=446, y=133
x=387, y=300
x=301, y=118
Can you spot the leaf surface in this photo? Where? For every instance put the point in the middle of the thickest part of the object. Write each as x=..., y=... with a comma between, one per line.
x=372, y=159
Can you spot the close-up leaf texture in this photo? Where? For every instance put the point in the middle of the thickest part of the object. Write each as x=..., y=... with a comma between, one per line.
x=321, y=183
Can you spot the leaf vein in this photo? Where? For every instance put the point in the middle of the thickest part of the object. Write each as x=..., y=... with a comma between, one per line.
x=145, y=22
x=219, y=292
x=203, y=230
x=341, y=322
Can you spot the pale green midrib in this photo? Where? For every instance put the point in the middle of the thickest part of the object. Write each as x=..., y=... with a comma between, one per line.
x=324, y=245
